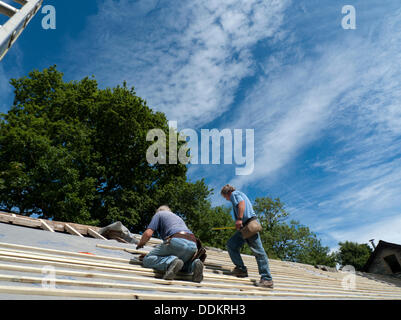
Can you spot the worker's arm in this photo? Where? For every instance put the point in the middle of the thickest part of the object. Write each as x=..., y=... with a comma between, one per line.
x=145, y=238
x=241, y=210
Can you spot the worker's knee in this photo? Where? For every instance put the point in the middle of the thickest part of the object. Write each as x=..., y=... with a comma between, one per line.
x=149, y=261
x=259, y=254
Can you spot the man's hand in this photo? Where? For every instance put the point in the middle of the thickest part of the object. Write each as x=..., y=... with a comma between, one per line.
x=145, y=238
x=238, y=224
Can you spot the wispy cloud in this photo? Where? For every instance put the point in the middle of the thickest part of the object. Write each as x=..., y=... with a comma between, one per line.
x=186, y=60
x=344, y=103
x=324, y=102
x=385, y=229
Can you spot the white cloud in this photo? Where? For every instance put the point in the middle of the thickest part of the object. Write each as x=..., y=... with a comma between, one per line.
x=354, y=85
x=291, y=110
x=368, y=166
x=371, y=188
x=349, y=94
x=386, y=230
x=186, y=60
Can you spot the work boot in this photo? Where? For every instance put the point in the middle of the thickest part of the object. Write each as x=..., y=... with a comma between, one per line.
x=263, y=283
x=173, y=269
x=240, y=273
x=198, y=271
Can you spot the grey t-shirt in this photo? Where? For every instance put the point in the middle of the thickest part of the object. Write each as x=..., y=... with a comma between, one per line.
x=167, y=223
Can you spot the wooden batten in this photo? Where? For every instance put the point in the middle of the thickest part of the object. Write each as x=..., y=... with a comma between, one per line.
x=45, y=226
x=38, y=223
x=72, y=231
x=123, y=267
x=294, y=281
x=95, y=234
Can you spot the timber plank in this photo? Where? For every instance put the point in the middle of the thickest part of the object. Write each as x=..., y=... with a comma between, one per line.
x=45, y=226
x=94, y=234
x=72, y=231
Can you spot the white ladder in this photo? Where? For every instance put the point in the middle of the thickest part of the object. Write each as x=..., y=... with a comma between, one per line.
x=17, y=22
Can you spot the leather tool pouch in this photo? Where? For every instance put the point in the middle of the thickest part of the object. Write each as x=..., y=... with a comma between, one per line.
x=201, y=252
x=251, y=228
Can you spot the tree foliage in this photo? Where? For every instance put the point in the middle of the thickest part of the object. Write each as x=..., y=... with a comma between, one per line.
x=354, y=254
x=73, y=152
x=190, y=202
x=70, y=151
x=289, y=241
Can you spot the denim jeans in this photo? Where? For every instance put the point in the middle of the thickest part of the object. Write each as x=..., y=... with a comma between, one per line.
x=160, y=257
x=234, y=246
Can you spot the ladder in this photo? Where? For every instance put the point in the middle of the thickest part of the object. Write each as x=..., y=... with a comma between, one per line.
x=17, y=22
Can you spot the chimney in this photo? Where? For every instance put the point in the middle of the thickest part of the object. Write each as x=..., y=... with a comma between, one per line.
x=372, y=241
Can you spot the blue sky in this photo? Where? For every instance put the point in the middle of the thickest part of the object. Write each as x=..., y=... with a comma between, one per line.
x=324, y=102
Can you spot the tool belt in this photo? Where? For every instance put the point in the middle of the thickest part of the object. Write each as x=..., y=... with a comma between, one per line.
x=187, y=236
x=200, y=252
x=250, y=228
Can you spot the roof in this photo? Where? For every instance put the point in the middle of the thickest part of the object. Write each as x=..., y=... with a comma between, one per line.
x=380, y=246
x=88, y=267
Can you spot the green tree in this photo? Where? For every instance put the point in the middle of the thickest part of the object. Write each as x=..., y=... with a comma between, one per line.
x=270, y=212
x=73, y=152
x=190, y=202
x=289, y=241
x=354, y=254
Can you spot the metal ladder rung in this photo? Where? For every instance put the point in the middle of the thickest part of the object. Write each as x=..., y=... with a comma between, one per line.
x=7, y=10
x=18, y=20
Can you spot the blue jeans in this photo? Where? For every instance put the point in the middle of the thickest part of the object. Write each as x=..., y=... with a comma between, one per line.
x=161, y=257
x=234, y=246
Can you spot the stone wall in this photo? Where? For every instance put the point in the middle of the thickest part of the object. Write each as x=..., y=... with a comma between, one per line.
x=380, y=266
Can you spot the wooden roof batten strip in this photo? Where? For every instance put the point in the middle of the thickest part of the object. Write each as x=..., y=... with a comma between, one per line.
x=38, y=223
x=292, y=281
x=281, y=292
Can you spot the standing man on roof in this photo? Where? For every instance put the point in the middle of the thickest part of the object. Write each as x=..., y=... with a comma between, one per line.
x=176, y=251
x=244, y=213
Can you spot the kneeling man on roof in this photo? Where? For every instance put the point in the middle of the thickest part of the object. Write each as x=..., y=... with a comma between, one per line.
x=178, y=249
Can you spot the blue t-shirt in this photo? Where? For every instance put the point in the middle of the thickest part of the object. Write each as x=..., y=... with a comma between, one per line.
x=167, y=223
x=236, y=198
